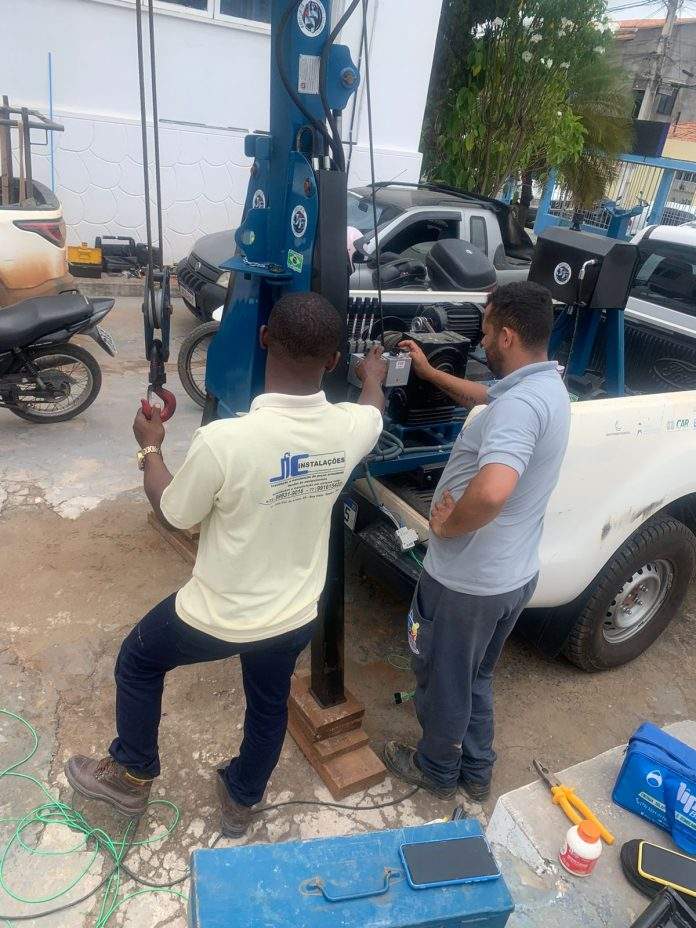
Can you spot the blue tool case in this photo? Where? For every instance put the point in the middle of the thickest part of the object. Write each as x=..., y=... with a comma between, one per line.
x=346, y=882
x=657, y=781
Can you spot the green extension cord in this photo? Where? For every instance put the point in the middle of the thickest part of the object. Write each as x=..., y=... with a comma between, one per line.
x=56, y=813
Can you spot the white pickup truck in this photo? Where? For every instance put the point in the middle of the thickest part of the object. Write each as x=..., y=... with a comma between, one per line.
x=619, y=549
x=619, y=546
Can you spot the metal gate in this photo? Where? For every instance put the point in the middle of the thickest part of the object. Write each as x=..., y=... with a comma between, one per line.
x=656, y=191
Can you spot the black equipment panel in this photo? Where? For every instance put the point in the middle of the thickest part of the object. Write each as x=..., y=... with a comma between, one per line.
x=579, y=267
x=419, y=402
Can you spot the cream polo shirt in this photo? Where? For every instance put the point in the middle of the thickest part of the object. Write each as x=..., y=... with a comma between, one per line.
x=262, y=487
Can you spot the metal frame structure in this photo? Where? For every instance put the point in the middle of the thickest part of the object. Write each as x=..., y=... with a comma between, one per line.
x=603, y=220
x=26, y=120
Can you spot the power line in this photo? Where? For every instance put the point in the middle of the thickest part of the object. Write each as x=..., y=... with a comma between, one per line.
x=633, y=6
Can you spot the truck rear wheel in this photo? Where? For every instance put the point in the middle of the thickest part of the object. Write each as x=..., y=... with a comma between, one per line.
x=635, y=596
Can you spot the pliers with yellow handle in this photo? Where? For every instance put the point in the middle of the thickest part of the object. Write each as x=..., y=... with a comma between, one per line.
x=574, y=808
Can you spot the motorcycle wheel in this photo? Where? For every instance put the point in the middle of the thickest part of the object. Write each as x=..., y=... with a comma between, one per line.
x=83, y=373
x=192, y=360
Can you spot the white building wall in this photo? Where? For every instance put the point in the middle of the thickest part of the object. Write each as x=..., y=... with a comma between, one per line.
x=213, y=88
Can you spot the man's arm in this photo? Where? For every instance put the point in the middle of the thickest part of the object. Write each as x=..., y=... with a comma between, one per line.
x=188, y=496
x=481, y=503
x=511, y=431
x=372, y=372
x=464, y=392
x=150, y=433
x=157, y=479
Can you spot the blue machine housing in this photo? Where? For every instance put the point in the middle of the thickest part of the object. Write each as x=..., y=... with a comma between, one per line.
x=276, y=239
x=345, y=882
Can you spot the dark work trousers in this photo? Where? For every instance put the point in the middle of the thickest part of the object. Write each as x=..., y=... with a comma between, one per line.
x=456, y=645
x=159, y=643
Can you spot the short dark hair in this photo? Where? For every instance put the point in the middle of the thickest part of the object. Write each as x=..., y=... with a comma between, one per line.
x=305, y=326
x=526, y=308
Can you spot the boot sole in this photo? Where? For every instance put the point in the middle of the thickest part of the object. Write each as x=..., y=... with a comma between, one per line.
x=472, y=795
x=78, y=788
x=233, y=832
x=423, y=784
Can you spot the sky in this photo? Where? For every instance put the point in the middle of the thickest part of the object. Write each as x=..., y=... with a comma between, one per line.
x=646, y=9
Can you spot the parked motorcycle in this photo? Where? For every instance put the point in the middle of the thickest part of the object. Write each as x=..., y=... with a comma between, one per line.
x=44, y=378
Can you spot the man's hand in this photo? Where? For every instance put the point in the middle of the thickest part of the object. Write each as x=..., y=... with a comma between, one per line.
x=441, y=512
x=372, y=371
x=148, y=431
x=419, y=363
x=481, y=502
x=373, y=366
x=464, y=392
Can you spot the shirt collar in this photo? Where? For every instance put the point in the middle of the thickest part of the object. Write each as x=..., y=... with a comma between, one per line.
x=502, y=386
x=287, y=401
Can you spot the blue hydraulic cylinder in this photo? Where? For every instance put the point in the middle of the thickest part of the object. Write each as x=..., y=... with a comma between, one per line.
x=277, y=237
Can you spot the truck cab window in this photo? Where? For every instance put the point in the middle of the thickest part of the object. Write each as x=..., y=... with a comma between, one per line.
x=667, y=275
x=478, y=234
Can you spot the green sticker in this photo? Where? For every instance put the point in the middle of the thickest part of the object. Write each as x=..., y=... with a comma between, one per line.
x=295, y=261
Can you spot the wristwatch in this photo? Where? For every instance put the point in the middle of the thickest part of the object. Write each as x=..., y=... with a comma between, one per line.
x=142, y=454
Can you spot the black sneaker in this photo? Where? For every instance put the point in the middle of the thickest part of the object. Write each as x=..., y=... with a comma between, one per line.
x=401, y=761
x=235, y=817
x=474, y=790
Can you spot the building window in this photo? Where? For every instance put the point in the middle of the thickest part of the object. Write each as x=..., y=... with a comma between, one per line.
x=637, y=102
x=259, y=10
x=665, y=102
x=190, y=4
x=256, y=12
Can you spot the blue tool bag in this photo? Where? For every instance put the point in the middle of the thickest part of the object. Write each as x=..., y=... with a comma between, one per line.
x=657, y=781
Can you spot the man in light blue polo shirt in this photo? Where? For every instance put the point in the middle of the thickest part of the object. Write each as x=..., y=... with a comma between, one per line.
x=485, y=527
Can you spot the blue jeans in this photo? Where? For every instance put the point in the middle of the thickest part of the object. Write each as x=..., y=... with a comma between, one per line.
x=456, y=640
x=159, y=643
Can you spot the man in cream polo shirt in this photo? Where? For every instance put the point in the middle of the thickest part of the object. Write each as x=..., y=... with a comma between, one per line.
x=262, y=487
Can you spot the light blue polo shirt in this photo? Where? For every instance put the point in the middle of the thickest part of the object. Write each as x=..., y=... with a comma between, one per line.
x=525, y=426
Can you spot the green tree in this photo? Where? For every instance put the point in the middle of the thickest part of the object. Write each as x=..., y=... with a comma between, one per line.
x=601, y=97
x=450, y=64
x=509, y=106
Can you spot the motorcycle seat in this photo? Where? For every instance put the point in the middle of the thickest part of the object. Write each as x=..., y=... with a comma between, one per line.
x=28, y=321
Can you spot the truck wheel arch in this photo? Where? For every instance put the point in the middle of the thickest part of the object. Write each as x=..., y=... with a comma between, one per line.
x=574, y=628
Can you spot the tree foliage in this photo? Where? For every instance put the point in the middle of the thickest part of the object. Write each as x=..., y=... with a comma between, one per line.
x=450, y=64
x=602, y=99
x=522, y=86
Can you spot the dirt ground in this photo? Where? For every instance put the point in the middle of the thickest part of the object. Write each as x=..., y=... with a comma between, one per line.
x=79, y=567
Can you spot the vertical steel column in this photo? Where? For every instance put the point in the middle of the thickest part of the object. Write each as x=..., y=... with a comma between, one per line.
x=26, y=135
x=6, y=152
x=542, y=216
x=328, y=645
x=616, y=378
x=661, y=196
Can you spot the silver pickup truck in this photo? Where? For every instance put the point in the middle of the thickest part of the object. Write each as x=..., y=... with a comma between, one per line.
x=412, y=218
